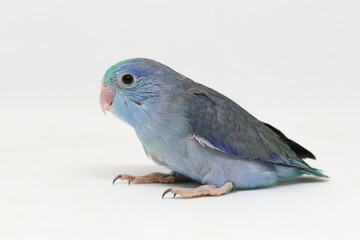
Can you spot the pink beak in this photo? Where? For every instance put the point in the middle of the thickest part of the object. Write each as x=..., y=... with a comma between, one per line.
x=107, y=95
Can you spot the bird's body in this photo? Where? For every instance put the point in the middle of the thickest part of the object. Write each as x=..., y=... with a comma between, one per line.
x=196, y=131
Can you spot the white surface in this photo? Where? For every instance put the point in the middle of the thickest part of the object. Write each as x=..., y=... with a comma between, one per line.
x=294, y=64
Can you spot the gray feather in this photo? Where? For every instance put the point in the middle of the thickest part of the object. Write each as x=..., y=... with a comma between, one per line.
x=229, y=127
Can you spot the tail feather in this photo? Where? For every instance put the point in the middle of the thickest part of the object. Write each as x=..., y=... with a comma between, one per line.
x=313, y=171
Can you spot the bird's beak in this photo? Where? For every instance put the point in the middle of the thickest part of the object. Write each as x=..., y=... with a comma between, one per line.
x=107, y=95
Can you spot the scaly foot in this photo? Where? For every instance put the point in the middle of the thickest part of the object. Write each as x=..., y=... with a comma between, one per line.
x=155, y=177
x=204, y=190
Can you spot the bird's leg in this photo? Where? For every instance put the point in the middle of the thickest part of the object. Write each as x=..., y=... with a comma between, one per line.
x=204, y=190
x=155, y=177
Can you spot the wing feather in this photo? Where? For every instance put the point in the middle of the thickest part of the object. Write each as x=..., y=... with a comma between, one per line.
x=221, y=124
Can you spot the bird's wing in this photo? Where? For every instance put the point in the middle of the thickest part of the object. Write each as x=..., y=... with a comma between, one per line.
x=219, y=123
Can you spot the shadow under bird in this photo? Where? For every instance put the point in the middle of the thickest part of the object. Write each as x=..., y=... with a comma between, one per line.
x=198, y=133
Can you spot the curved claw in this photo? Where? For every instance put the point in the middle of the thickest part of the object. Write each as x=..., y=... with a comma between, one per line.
x=233, y=187
x=167, y=191
x=116, y=178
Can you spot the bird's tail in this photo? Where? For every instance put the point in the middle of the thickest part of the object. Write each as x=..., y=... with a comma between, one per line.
x=313, y=171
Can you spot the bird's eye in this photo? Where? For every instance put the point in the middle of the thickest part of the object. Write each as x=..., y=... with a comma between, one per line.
x=127, y=79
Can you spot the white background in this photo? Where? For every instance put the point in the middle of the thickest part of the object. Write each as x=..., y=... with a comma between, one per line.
x=294, y=64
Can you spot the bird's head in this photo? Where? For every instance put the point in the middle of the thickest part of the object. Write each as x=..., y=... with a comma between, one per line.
x=133, y=89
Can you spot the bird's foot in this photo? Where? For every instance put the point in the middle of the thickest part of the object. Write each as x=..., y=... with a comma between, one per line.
x=155, y=177
x=204, y=190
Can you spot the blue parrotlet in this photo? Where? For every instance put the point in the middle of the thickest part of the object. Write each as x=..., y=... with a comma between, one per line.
x=198, y=133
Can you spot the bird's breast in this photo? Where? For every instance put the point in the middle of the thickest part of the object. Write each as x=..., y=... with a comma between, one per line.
x=158, y=160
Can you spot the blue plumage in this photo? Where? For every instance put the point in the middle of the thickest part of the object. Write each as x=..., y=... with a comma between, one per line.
x=196, y=131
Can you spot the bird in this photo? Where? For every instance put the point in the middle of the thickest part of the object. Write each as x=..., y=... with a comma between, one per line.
x=198, y=133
